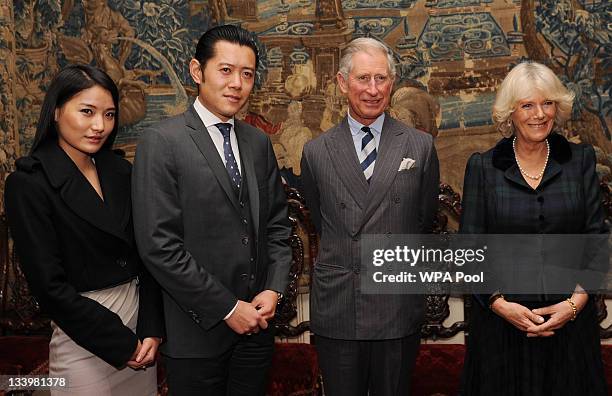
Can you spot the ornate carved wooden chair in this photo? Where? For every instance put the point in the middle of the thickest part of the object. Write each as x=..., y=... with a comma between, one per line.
x=295, y=370
x=24, y=331
x=438, y=366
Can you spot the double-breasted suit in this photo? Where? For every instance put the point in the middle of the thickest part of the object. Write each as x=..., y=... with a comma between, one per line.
x=344, y=207
x=201, y=239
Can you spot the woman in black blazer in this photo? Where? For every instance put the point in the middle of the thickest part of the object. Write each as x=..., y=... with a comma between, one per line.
x=69, y=210
x=533, y=182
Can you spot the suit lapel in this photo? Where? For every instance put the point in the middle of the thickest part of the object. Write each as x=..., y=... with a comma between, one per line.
x=248, y=167
x=344, y=158
x=204, y=143
x=386, y=166
x=81, y=197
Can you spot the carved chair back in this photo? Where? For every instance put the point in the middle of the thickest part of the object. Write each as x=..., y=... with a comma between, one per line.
x=19, y=312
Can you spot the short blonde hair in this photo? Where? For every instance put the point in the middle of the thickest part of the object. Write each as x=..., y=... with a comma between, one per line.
x=368, y=45
x=522, y=82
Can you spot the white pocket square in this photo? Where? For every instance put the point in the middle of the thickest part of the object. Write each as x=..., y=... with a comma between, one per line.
x=406, y=164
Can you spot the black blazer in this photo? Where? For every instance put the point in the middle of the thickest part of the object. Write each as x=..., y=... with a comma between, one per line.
x=70, y=241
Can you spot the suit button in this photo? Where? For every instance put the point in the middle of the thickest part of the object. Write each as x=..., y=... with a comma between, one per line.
x=122, y=262
x=245, y=240
x=245, y=222
x=342, y=205
x=252, y=276
x=241, y=204
x=396, y=199
x=355, y=239
x=244, y=276
x=252, y=259
x=540, y=199
x=541, y=217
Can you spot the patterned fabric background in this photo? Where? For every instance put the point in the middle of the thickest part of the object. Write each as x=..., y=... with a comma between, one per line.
x=452, y=55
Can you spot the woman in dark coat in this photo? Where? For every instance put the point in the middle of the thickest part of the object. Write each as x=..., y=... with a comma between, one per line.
x=534, y=182
x=69, y=210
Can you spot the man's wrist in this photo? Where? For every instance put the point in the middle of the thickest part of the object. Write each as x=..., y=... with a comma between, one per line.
x=231, y=312
x=493, y=299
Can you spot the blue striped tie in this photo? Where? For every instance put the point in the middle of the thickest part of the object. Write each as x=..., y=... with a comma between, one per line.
x=368, y=153
x=230, y=161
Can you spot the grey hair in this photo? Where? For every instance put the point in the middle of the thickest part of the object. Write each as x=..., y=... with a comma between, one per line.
x=368, y=45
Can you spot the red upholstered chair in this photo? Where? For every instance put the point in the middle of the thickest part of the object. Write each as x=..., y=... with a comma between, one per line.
x=438, y=369
x=606, y=355
x=295, y=370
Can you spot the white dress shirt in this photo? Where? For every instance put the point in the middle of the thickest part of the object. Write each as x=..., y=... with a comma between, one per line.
x=209, y=120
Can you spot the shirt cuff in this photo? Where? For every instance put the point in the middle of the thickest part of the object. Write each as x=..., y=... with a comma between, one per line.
x=231, y=312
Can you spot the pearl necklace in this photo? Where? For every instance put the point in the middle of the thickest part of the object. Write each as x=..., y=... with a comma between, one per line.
x=539, y=175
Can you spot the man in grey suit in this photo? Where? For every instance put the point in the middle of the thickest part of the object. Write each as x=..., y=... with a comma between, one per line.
x=353, y=186
x=210, y=215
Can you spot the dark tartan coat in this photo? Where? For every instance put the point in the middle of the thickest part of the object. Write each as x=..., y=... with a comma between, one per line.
x=497, y=199
x=500, y=359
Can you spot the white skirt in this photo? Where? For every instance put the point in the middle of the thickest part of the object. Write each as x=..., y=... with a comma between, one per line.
x=86, y=373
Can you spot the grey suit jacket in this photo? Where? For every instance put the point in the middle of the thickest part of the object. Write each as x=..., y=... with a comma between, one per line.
x=190, y=229
x=344, y=207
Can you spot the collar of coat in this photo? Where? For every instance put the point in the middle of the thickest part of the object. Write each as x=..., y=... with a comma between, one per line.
x=503, y=154
x=111, y=215
x=58, y=166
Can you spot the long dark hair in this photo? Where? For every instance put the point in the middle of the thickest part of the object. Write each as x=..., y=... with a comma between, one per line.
x=67, y=83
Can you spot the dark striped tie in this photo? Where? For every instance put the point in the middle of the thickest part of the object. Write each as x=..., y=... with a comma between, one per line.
x=230, y=161
x=368, y=153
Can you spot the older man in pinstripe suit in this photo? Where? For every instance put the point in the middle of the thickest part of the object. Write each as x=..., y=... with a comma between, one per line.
x=370, y=174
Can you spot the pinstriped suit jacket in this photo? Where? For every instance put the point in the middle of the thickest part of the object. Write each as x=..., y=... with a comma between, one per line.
x=344, y=207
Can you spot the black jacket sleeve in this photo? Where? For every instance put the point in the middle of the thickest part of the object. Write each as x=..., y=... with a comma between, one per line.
x=595, y=268
x=474, y=208
x=150, y=309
